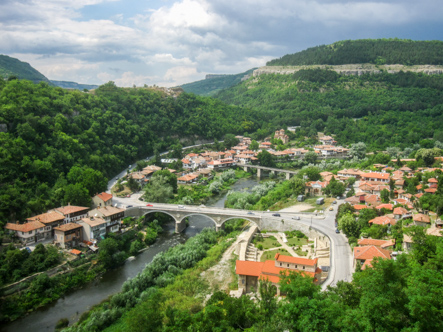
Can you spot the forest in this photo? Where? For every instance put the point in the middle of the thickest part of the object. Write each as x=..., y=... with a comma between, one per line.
x=375, y=51
x=381, y=110
x=59, y=147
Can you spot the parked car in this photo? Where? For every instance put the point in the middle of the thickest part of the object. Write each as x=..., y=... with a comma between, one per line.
x=296, y=218
x=334, y=202
x=181, y=206
x=338, y=197
x=331, y=209
x=129, y=166
x=276, y=215
x=249, y=212
x=128, y=196
x=149, y=205
x=129, y=206
x=337, y=230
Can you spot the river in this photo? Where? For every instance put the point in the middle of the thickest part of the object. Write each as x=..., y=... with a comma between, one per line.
x=77, y=302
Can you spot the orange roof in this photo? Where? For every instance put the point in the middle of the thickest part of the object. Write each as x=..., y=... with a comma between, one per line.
x=188, y=177
x=27, y=227
x=71, y=209
x=369, y=252
x=418, y=195
x=105, y=211
x=359, y=207
x=400, y=210
x=248, y=268
x=385, y=206
x=48, y=217
x=433, y=180
x=75, y=252
x=383, y=220
x=295, y=260
x=431, y=190
x=104, y=196
x=421, y=218
x=381, y=176
x=67, y=227
x=366, y=264
x=377, y=243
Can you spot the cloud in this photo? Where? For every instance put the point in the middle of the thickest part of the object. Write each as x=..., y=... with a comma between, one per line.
x=173, y=42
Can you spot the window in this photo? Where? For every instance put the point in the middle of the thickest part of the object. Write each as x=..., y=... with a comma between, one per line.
x=280, y=264
x=303, y=267
x=296, y=266
x=288, y=265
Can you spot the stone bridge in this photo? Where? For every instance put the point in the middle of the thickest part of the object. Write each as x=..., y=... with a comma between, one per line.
x=270, y=169
x=180, y=212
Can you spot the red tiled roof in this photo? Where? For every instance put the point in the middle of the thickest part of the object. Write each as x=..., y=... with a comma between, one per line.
x=248, y=268
x=27, y=227
x=383, y=220
x=377, y=243
x=385, y=206
x=420, y=217
x=430, y=190
x=381, y=176
x=71, y=209
x=359, y=207
x=67, y=227
x=295, y=260
x=433, y=180
x=104, y=196
x=75, y=252
x=48, y=217
x=369, y=252
x=400, y=211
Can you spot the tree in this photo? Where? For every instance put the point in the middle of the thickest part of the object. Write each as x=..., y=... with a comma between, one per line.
x=428, y=155
x=313, y=173
x=230, y=140
x=358, y=150
x=384, y=195
x=108, y=249
x=334, y=188
x=254, y=146
x=391, y=188
x=310, y=157
x=266, y=159
x=76, y=194
x=177, y=151
x=349, y=226
x=171, y=177
x=159, y=190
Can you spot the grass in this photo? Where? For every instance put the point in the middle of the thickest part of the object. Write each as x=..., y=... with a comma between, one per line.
x=301, y=252
x=267, y=242
x=312, y=201
x=270, y=255
x=296, y=242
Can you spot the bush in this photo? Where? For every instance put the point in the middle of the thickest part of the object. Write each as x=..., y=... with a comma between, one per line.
x=62, y=323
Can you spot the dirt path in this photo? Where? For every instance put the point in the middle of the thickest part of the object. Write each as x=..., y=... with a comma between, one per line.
x=299, y=207
x=219, y=276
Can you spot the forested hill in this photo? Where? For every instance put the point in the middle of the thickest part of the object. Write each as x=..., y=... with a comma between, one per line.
x=22, y=70
x=379, y=51
x=53, y=142
x=381, y=110
x=210, y=86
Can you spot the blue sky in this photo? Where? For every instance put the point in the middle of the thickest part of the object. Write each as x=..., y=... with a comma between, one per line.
x=171, y=42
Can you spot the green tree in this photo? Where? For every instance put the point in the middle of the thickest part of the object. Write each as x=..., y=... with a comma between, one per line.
x=266, y=159
x=334, y=188
x=310, y=157
x=358, y=150
x=159, y=190
x=230, y=141
x=384, y=195
x=254, y=146
x=171, y=178
x=349, y=226
x=76, y=194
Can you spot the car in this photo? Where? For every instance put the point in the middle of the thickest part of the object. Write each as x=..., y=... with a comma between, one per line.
x=129, y=206
x=276, y=215
x=128, y=196
x=129, y=166
x=334, y=202
x=337, y=230
x=149, y=205
x=181, y=206
x=331, y=209
x=249, y=212
x=338, y=197
x=202, y=205
x=296, y=218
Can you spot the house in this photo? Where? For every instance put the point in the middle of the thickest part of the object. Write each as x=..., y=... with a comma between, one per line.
x=327, y=140
x=51, y=219
x=72, y=213
x=68, y=235
x=280, y=134
x=137, y=176
x=188, y=178
x=102, y=199
x=385, y=206
x=368, y=253
x=401, y=212
x=383, y=220
x=421, y=219
x=93, y=228
x=112, y=215
x=315, y=187
x=222, y=163
x=384, y=244
x=347, y=173
x=265, y=146
x=407, y=243
x=30, y=232
x=375, y=177
x=434, y=231
x=251, y=273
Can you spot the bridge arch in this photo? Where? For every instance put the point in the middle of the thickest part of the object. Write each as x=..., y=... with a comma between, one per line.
x=160, y=211
x=245, y=218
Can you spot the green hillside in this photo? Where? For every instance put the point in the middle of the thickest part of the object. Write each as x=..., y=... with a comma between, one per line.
x=23, y=70
x=56, y=137
x=208, y=87
x=382, y=110
x=379, y=51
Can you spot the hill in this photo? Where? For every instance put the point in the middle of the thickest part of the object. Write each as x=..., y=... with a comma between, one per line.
x=214, y=83
x=53, y=137
x=74, y=85
x=23, y=70
x=379, y=51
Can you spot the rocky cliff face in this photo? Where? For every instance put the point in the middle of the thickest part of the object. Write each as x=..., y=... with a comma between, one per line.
x=355, y=69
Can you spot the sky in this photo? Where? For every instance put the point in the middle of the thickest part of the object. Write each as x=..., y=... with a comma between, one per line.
x=172, y=42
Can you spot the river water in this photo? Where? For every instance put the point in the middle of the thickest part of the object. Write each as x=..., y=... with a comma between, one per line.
x=77, y=302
